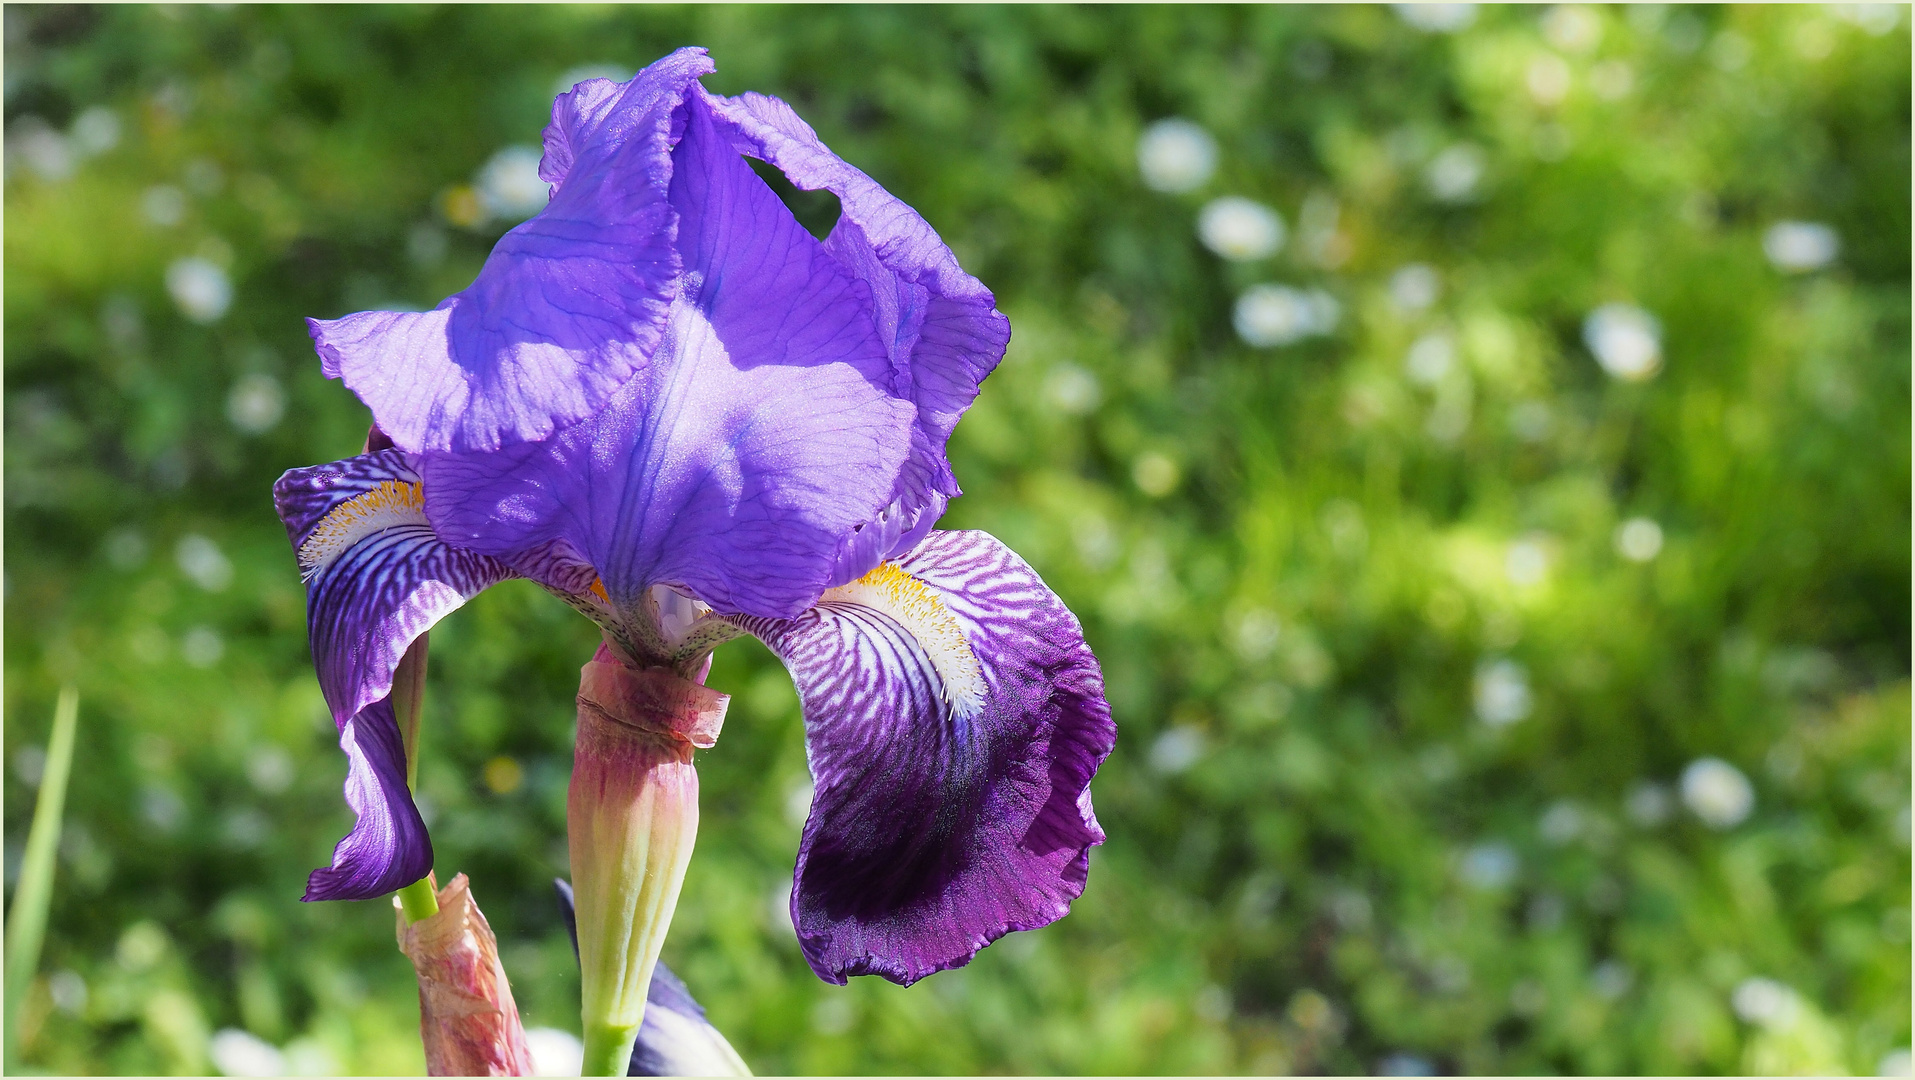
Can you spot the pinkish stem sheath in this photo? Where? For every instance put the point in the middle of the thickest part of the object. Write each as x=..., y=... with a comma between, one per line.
x=632, y=815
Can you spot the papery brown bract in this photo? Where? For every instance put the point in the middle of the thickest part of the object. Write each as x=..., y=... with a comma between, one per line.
x=467, y=1018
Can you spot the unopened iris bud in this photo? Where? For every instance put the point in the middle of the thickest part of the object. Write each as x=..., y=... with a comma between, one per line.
x=632, y=815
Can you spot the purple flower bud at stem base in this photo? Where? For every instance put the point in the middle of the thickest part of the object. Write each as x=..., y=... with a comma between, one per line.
x=632, y=815
x=467, y=1018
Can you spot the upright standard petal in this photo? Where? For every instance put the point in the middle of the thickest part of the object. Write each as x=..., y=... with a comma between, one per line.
x=570, y=304
x=734, y=466
x=377, y=579
x=940, y=324
x=954, y=717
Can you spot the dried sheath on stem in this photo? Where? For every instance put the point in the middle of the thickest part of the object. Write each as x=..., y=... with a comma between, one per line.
x=467, y=1018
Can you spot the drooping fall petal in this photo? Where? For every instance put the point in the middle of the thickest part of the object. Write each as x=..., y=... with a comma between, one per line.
x=377, y=579
x=953, y=718
x=377, y=575
x=388, y=847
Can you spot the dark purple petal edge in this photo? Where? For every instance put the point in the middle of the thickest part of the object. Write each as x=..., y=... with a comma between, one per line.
x=931, y=835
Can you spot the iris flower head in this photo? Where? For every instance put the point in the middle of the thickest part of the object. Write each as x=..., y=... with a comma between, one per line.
x=667, y=403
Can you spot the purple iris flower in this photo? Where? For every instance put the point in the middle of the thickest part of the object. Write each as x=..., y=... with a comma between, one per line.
x=666, y=402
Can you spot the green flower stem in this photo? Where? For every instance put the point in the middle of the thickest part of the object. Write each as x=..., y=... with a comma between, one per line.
x=608, y=1049
x=33, y=895
x=418, y=900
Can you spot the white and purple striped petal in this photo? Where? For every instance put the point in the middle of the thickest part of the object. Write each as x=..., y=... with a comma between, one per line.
x=954, y=717
x=765, y=432
x=377, y=575
x=568, y=307
x=940, y=325
x=377, y=578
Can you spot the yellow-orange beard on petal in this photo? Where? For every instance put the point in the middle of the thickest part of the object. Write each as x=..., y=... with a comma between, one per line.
x=394, y=502
x=917, y=608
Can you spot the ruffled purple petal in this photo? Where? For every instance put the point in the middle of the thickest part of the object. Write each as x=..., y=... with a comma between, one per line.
x=377, y=579
x=378, y=597
x=570, y=304
x=940, y=324
x=578, y=115
x=954, y=717
x=388, y=847
x=734, y=466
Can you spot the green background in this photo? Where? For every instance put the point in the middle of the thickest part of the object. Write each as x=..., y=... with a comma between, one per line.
x=1332, y=864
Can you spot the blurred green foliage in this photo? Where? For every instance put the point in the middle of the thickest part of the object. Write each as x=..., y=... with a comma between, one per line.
x=1311, y=572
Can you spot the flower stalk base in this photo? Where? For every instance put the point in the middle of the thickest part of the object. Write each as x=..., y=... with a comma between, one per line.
x=418, y=900
x=632, y=815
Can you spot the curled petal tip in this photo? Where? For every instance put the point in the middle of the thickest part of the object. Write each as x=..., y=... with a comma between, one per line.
x=388, y=847
x=328, y=356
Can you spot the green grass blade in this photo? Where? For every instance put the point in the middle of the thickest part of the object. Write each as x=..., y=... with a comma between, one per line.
x=33, y=895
